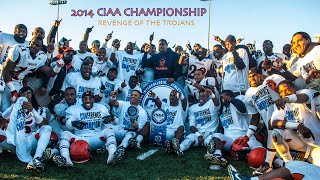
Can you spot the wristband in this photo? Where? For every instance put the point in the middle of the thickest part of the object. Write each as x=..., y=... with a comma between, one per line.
x=36, y=115
x=120, y=88
x=252, y=129
x=212, y=96
x=198, y=134
x=11, y=86
x=114, y=50
x=56, y=69
x=292, y=98
x=291, y=125
x=181, y=97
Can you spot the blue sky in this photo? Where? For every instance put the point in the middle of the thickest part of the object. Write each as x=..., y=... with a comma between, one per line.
x=258, y=20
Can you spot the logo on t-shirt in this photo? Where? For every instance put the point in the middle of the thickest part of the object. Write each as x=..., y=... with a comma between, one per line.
x=262, y=98
x=162, y=63
x=170, y=116
x=226, y=118
x=292, y=116
x=202, y=117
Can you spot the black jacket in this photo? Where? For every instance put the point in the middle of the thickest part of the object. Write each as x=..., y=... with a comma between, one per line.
x=165, y=65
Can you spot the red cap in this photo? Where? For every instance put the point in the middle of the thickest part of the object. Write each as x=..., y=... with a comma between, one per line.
x=70, y=49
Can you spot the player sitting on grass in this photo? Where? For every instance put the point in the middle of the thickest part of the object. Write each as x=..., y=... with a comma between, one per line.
x=88, y=122
x=235, y=122
x=294, y=125
x=132, y=121
x=203, y=119
x=175, y=112
x=27, y=130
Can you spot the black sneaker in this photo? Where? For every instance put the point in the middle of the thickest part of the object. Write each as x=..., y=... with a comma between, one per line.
x=134, y=143
x=119, y=153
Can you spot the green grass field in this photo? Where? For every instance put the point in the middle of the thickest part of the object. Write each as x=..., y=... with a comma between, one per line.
x=158, y=166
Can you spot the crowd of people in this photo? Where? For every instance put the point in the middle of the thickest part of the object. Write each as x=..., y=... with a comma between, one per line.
x=58, y=103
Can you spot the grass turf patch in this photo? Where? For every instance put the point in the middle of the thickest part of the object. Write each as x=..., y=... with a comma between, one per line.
x=158, y=166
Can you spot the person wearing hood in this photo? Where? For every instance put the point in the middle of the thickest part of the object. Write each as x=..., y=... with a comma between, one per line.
x=165, y=64
x=53, y=85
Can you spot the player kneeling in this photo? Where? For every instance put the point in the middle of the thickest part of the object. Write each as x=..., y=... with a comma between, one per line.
x=27, y=130
x=235, y=122
x=88, y=121
x=203, y=118
x=174, y=126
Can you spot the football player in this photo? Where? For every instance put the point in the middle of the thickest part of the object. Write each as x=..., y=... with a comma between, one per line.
x=193, y=87
x=203, y=119
x=133, y=121
x=87, y=120
x=235, y=67
x=58, y=119
x=82, y=81
x=128, y=62
x=8, y=40
x=175, y=112
x=82, y=52
x=147, y=73
x=294, y=125
x=235, y=122
x=277, y=60
x=259, y=103
x=101, y=64
x=28, y=130
x=199, y=61
x=21, y=62
x=124, y=91
x=109, y=82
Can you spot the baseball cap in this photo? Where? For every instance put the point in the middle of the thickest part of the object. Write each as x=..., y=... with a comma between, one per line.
x=63, y=40
x=230, y=38
x=87, y=93
x=96, y=42
x=70, y=49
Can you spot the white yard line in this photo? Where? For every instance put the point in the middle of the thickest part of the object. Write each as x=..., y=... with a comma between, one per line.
x=214, y=167
x=143, y=156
